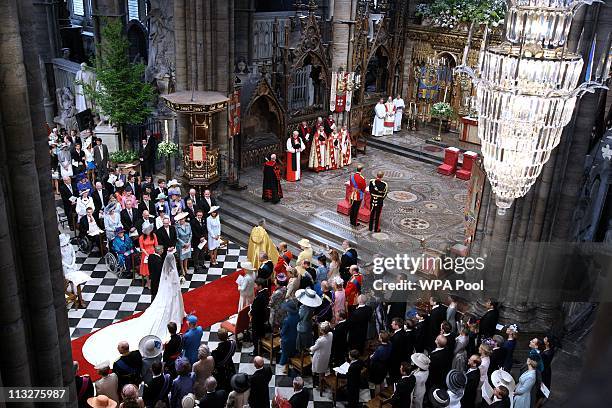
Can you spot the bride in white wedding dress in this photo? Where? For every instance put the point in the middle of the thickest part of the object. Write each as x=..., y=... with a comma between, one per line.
x=167, y=307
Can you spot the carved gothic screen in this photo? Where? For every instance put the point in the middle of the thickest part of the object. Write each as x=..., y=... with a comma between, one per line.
x=377, y=74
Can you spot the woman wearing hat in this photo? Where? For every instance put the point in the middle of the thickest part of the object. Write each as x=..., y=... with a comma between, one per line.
x=246, y=285
x=455, y=384
x=83, y=203
x=147, y=242
x=278, y=297
x=288, y=332
x=175, y=204
x=112, y=219
x=183, y=240
x=309, y=301
x=150, y=348
x=213, y=225
x=123, y=248
x=420, y=372
x=321, y=352
x=339, y=297
x=239, y=397
x=71, y=271
x=120, y=192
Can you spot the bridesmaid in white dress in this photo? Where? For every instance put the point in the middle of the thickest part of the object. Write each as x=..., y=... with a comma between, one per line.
x=213, y=224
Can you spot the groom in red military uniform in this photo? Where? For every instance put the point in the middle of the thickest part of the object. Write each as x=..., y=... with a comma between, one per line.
x=359, y=185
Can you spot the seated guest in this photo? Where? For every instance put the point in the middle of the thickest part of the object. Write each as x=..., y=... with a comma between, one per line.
x=129, y=366
x=239, y=397
x=123, y=247
x=300, y=396
x=402, y=396
x=183, y=384
x=158, y=387
x=84, y=386
x=108, y=384
x=213, y=398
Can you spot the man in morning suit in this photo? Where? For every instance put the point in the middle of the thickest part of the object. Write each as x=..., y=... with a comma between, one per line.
x=353, y=380
x=158, y=387
x=378, y=193
x=300, y=396
x=435, y=319
x=198, y=235
x=129, y=366
x=358, y=324
x=147, y=157
x=359, y=185
x=340, y=340
x=439, y=364
x=101, y=159
x=259, y=314
x=213, y=398
x=100, y=198
x=398, y=348
x=146, y=203
x=266, y=269
x=402, y=396
x=501, y=397
x=129, y=216
x=155, y=267
x=348, y=259
x=166, y=235
x=489, y=320
x=207, y=202
x=260, y=381
x=67, y=191
x=473, y=378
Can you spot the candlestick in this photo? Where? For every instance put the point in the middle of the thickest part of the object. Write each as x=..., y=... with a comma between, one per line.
x=166, y=128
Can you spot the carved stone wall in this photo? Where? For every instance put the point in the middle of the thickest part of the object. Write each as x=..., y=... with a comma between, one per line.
x=161, y=41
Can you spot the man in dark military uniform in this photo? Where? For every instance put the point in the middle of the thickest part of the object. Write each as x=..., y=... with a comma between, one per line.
x=378, y=192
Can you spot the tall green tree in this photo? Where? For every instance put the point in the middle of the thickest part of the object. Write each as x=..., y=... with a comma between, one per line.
x=122, y=94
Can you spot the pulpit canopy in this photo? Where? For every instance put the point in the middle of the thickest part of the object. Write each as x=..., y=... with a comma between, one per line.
x=196, y=101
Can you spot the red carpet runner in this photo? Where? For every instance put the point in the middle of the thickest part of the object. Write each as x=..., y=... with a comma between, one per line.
x=212, y=303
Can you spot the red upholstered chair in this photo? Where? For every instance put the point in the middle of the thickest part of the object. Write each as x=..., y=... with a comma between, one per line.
x=465, y=173
x=451, y=156
x=344, y=206
x=239, y=323
x=364, y=212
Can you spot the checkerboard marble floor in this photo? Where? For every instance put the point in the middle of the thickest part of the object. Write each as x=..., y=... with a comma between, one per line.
x=110, y=299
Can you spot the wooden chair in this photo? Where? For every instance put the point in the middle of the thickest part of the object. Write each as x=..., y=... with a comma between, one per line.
x=238, y=323
x=302, y=363
x=70, y=293
x=359, y=144
x=271, y=345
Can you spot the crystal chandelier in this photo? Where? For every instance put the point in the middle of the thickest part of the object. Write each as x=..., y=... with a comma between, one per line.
x=526, y=91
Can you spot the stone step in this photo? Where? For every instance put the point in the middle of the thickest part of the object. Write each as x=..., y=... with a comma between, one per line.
x=243, y=212
x=405, y=152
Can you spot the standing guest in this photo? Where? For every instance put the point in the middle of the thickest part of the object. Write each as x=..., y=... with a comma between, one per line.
x=100, y=156
x=421, y=373
x=510, y=345
x=288, y=332
x=309, y=301
x=84, y=386
x=213, y=398
x=166, y=235
x=183, y=241
x=194, y=197
x=158, y=388
x=527, y=380
x=348, y=259
x=380, y=113
x=224, y=366
x=172, y=349
x=339, y=297
x=161, y=188
x=334, y=264
x=358, y=184
x=108, y=383
x=358, y=324
x=455, y=384
x=334, y=149
x=145, y=218
x=84, y=202
x=259, y=314
x=183, y=384
x=78, y=159
x=390, y=117
x=150, y=348
x=300, y=396
x=305, y=133
x=266, y=269
x=404, y=387
x=451, y=314
x=445, y=330
x=321, y=272
x=154, y=266
x=321, y=352
x=325, y=313
x=350, y=393
x=202, y=369
x=547, y=356
x=133, y=185
x=146, y=204
x=259, y=241
x=124, y=248
x=120, y=192
x=306, y=252
x=68, y=192
x=473, y=379
x=64, y=158
x=259, y=396
x=295, y=146
x=435, y=319
x=272, y=190
x=100, y=199
x=353, y=287
x=399, y=105
x=277, y=314
x=438, y=366
x=473, y=336
x=534, y=352
x=485, y=359
x=398, y=348
x=147, y=243
x=190, y=209
x=112, y=219
x=192, y=338
x=175, y=204
x=489, y=320
x=501, y=397
x=129, y=366
x=459, y=353
x=129, y=216
x=498, y=355
x=198, y=238
x=213, y=226
x=340, y=340
x=378, y=192
x=379, y=361
x=130, y=396
x=208, y=202
x=146, y=157
x=239, y=397
x=246, y=285
x=294, y=282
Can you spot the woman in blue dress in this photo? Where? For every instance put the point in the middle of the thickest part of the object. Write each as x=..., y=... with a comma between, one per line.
x=527, y=380
x=288, y=332
x=183, y=240
x=123, y=248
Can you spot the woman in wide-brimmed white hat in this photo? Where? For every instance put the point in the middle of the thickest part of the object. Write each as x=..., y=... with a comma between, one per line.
x=309, y=301
x=246, y=285
x=421, y=372
x=213, y=224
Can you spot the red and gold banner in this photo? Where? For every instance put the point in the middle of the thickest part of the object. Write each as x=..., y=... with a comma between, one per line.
x=234, y=113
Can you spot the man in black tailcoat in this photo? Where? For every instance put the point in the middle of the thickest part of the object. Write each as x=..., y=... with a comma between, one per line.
x=155, y=263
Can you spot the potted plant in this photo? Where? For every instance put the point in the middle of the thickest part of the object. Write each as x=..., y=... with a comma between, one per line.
x=124, y=159
x=443, y=111
x=167, y=150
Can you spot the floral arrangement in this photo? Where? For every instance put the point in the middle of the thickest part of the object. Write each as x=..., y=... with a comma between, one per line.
x=167, y=149
x=442, y=110
x=123, y=156
x=451, y=13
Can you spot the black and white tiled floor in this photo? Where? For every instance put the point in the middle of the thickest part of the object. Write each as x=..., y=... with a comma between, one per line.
x=110, y=299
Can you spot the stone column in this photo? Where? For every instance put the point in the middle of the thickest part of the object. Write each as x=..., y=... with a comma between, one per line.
x=342, y=13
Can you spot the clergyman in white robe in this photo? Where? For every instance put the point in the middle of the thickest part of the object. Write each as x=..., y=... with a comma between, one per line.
x=399, y=110
x=378, y=127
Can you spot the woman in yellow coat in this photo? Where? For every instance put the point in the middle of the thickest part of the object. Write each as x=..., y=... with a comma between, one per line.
x=259, y=241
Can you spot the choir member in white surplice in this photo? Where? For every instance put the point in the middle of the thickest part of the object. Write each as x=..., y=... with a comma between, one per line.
x=399, y=104
x=380, y=112
x=295, y=146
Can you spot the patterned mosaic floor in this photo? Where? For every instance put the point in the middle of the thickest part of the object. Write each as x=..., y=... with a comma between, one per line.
x=421, y=204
